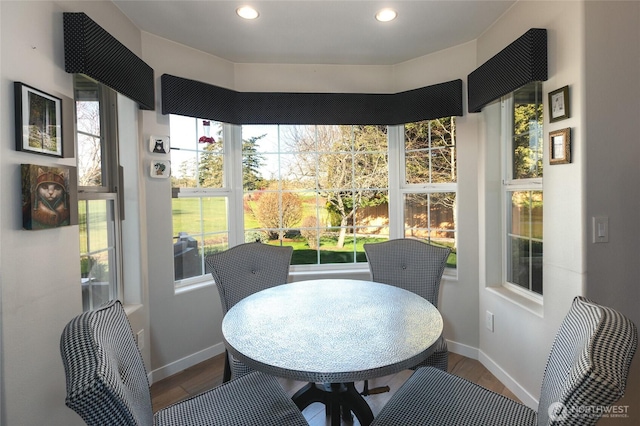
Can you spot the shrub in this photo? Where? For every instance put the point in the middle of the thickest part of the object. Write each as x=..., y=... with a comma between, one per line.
x=268, y=211
x=310, y=231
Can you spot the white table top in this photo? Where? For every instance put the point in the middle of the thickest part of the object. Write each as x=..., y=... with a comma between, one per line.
x=332, y=330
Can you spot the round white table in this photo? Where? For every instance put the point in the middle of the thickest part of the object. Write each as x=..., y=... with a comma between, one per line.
x=333, y=331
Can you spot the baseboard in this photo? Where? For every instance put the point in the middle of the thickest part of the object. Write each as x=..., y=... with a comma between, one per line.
x=455, y=347
x=186, y=362
x=525, y=397
x=462, y=349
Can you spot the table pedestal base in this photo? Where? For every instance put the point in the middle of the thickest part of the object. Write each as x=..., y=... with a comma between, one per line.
x=340, y=400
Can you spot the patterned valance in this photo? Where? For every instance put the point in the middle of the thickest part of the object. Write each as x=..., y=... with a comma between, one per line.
x=523, y=61
x=196, y=99
x=92, y=51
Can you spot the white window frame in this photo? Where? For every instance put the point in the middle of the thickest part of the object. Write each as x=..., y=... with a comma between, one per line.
x=512, y=185
x=232, y=153
x=233, y=189
x=110, y=190
x=405, y=188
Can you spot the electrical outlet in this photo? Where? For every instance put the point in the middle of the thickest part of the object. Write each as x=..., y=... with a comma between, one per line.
x=488, y=321
x=140, y=339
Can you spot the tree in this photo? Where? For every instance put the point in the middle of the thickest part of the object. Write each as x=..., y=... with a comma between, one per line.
x=251, y=163
x=184, y=175
x=211, y=166
x=528, y=140
x=348, y=163
x=278, y=210
x=89, y=143
x=430, y=151
x=211, y=163
x=431, y=156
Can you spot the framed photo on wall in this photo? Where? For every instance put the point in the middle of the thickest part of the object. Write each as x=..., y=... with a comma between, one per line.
x=48, y=196
x=559, y=104
x=560, y=146
x=38, y=121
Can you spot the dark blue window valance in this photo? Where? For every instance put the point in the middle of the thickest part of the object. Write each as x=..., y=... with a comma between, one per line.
x=196, y=99
x=523, y=61
x=92, y=51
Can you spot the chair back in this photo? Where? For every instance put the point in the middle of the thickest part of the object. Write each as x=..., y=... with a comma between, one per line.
x=588, y=365
x=409, y=264
x=105, y=373
x=248, y=268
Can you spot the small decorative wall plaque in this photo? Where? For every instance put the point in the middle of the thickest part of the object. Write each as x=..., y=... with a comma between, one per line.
x=159, y=144
x=160, y=169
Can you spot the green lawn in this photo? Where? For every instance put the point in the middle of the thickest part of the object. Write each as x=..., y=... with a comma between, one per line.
x=186, y=218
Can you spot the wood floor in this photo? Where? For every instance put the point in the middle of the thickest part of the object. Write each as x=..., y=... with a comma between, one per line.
x=208, y=374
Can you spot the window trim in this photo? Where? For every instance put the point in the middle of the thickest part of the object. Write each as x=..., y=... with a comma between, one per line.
x=110, y=190
x=421, y=188
x=508, y=185
x=233, y=189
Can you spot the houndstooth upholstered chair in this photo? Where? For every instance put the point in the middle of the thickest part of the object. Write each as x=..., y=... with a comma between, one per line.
x=415, y=266
x=107, y=383
x=241, y=271
x=586, y=370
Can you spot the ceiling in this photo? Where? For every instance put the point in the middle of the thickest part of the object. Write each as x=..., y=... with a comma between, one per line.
x=316, y=32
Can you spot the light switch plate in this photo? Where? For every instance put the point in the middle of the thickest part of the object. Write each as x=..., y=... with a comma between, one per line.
x=600, y=229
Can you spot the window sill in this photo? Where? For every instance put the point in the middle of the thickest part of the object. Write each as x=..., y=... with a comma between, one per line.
x=533, y=306
x=131, y=308
x=356, y=272
x=303, y=272
x=187, y=286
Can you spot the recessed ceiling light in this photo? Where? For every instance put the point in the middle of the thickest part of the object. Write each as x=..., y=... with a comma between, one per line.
x=386, y=15
x=247, y=12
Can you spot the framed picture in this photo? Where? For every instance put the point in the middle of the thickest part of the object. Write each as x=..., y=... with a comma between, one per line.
x=38, y=121
x=48, y=198
x=559, y=104
x=560, y=146
x=159, y=144
x=160, y=169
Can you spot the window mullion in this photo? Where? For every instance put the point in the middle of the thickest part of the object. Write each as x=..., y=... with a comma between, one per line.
x=233, y=147
x=395, y=138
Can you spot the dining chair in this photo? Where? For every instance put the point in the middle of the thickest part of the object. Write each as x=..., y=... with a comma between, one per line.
x=106, y=383
x=415, y=266
x=586, y=371
x=241, y=271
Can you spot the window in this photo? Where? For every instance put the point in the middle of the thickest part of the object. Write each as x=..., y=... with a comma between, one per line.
x=429, y=183
x=200, y=194
x=325, y=190
x=321, y=189
x=522, y=187
x=98, y=203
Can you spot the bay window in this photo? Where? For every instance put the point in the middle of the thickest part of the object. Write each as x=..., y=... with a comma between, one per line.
x=325, y=190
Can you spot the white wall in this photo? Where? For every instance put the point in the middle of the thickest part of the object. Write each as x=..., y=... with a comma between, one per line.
x=612, y=145
x=185, y=328
x=517, y=350
x=458, y=296
x=40, y=274
x=586, y=49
